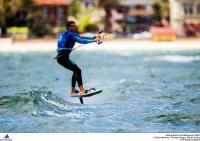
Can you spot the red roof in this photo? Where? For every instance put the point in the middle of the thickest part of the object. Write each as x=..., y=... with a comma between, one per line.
x=52, y=2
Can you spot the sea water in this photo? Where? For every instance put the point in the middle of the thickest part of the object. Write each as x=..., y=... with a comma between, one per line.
x=155, y=91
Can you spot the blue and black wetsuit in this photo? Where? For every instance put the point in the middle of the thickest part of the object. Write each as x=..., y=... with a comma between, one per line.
x=66, y=42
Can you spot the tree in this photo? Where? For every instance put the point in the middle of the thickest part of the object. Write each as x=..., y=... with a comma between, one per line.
x=22, y=13
x=24, y=8
x=14, y=13
x=5, y=12
x=2, y=20
x=157, y=11
x=108, y=5
x=74, y=8
x=33, y=18
x=37, y=24
x=161, y=7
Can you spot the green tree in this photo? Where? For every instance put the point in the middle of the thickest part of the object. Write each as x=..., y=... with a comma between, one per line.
x=2, y=20
x=5, y=13
x=35, y=20
x=9, y=10
x=108, y=5
x=37, y=24
x=160, y=7
x=157, y=11
x=74, y=8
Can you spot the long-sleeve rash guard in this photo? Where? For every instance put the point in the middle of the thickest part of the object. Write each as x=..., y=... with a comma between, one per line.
x=67, y=39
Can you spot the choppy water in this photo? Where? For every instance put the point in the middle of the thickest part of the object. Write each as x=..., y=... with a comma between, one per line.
x=143, y=92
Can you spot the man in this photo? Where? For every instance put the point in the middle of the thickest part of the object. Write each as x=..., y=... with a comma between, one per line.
x=66, y=42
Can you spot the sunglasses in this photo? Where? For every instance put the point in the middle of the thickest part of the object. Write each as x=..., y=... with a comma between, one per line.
x=73, y=26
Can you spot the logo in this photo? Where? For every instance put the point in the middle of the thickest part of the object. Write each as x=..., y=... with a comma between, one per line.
x=6, y=138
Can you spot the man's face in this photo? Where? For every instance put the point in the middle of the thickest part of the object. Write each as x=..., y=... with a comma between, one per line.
x=73, y=27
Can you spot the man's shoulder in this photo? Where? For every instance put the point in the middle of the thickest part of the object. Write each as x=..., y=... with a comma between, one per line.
x=70, y=33
x=65, y=31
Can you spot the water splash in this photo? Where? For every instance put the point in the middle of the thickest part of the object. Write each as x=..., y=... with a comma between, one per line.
x=37, y=103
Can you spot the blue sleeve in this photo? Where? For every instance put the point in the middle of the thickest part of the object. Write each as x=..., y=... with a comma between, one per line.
x=88, y=37
x=81, y=40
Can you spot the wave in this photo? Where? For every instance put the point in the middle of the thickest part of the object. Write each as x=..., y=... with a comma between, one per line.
x=37, y=103
x=195, y=100
x=174, y=58
x=193, y=86
x=176, y=118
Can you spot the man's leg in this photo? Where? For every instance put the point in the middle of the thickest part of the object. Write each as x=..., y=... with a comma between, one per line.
x=76, y=77
x=77, y=74
x=73, y=90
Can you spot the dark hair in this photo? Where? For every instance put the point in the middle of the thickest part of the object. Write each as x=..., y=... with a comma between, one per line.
x=68, y=24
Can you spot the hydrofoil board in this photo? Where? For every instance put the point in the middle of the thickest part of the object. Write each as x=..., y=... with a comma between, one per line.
x=88, y=93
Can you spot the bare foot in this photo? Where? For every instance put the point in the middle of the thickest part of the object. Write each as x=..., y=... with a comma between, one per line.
x=81, y=90
x=73, y=91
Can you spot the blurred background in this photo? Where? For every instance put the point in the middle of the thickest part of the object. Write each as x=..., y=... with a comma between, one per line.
x=138, y=19
x=148, y=68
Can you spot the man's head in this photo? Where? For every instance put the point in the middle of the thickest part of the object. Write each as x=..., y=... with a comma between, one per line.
x=71, y=25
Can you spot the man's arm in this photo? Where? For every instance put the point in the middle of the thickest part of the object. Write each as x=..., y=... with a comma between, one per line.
x=78, y=38
x=88, y=37
x=81, y=40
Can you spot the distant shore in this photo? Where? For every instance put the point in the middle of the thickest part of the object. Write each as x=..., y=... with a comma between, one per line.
x=40, y=45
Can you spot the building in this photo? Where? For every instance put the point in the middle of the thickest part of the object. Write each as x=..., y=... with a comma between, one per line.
x=185, y=16
x=137, y=14
x=55, y=11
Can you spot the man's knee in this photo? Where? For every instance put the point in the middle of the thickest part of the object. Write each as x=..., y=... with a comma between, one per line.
x=61, y=62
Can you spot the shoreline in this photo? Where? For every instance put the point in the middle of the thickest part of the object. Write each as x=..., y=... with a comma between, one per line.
x=114, y=45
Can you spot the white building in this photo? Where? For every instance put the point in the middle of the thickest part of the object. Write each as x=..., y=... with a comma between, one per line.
x=184, y=12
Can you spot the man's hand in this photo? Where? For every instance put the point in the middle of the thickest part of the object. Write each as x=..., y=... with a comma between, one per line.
x=98, y=38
